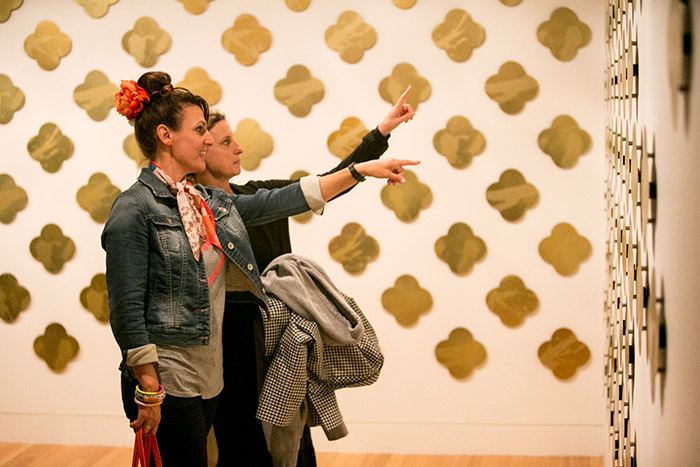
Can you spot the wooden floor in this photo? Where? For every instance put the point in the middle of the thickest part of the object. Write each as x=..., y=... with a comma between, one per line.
x=42, y=455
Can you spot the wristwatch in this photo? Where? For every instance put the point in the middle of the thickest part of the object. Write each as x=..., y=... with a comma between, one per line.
x=355, y=174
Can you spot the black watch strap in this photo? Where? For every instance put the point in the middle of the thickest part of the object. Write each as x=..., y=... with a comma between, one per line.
x=355, y=174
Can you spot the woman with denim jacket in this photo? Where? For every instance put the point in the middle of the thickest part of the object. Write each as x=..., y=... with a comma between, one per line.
x=171, y=249
x=239, y=434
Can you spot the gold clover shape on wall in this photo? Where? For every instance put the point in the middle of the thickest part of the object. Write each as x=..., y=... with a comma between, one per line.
x=52, y=248
x=94, y=298
x=459, y=142
x=511, y=2
x=404, y=4
x=350, y=37
x=407, y=301
x=564, y=34
x=299, y=91
x=56, y=347
x=511, y=88
x=198, y=81
x=246, y=39
x=512, y=195
x=408, y=199
x=297, y=5
x=402, y=76
x=342, y=141
x=50, y=147
x=459, y=35
x=461, y=353
x=564, y=353
x=48, y=45
x=11, y=99
x=256, y=143
x=14, y=298
x=353, y=248
x=564, y=141
x=196, y=7
x=95, y=95
x=146, y=42
x=565, y=249
x=133, y=152
x=96, y=8
x=13, y=199
x=304, y=217
x=7, y=7
x=97, y=197
x=512, y=301
x=460, y=249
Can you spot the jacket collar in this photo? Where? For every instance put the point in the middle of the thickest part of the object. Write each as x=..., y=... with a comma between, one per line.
x=154, y=184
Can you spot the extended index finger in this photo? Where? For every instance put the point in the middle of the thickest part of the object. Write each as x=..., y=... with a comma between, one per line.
x=407, y=162
x=402, y=97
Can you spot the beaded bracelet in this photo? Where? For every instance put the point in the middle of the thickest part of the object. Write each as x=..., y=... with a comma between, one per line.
x=142, y=404
x=149, y=399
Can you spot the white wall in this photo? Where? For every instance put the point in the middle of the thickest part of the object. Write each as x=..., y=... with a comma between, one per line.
x=513, y=405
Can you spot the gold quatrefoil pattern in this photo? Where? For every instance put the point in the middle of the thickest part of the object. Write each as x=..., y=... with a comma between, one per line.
x=512, y=196
x=459, y=142
x=402, y=76
x=511, y=2
x=407, y=301
x=94, y=298
x=350, y=37
x=48, y=45
x=564, y=141
x=257, y=144
x=564, y=354
x=133, y=152
x=146, y=42
x=97, y=197
x=52, y=248
x=196, y=7
x=512, y=302
x=11, y=99
x=404, y=4
x=13, y=199
x=50, y=147
x=96, y=8
x=512, y=88
x=246, y=39
x=564, y=34
x=461, y=353
x=198, y=81
x=14, y=298
x=56, y=347
x=342, y=141
x=353, y=248
x=408, y=199
x=459, y=35
x=565, y=249
x=7, y=7
x=299, y=91
x=96, y=95
x=460, y=249
x=297, y=5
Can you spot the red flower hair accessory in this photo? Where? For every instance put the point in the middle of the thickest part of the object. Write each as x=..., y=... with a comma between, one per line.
x=130, y=99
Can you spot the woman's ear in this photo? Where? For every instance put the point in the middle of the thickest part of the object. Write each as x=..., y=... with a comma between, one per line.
x=164, y=135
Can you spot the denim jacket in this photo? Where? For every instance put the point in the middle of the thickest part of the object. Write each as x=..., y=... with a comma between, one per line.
x=157, y=292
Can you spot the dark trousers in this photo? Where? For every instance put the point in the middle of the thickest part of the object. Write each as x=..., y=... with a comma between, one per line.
x=239, y=435
x=184, y=425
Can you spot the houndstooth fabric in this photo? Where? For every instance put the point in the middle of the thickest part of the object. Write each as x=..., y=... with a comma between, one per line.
x=303, y=367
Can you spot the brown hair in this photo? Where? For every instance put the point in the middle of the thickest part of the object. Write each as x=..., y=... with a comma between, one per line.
x=214, y=118
x=165, y=107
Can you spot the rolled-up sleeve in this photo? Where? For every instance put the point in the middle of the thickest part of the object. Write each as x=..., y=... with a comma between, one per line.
x=311, y=187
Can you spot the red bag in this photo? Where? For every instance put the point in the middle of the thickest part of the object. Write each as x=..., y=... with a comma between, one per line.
x=144, y=446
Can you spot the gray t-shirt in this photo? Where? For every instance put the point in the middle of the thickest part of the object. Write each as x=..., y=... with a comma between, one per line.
x=190, y=371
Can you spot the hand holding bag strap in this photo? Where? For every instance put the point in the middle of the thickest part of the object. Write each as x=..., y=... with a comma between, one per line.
x=143, y=448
